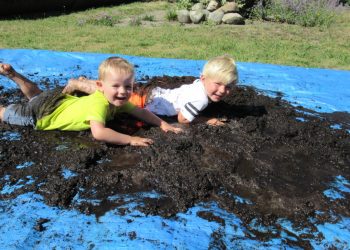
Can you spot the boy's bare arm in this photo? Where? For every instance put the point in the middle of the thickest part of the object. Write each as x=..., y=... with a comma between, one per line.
x=151, y=118
x=101, y=133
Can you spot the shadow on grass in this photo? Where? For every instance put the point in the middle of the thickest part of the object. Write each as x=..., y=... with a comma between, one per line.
x=34, y=9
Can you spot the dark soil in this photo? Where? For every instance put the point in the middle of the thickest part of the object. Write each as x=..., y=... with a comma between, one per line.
x=264, y=154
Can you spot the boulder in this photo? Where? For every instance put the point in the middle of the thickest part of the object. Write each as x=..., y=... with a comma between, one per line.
x=233, y=18
x=198, y=6
x=206, y=14
x=183, y=16
x=229, y=7
x=212, y=5
x=197, y=16
x=216, y=16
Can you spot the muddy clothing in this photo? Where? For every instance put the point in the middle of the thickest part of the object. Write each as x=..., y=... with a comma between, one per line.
x=189, y=99
x=36, y=108
x=71, y=112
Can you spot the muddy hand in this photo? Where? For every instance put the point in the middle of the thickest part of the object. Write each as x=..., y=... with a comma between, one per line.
x=139, y=141
x=166, y=127
x=217, y=122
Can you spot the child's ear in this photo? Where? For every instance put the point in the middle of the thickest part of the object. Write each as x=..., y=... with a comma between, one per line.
x=202, y=77
x=99, y=84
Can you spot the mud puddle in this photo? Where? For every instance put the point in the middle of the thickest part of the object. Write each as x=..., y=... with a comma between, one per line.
x=271, y=160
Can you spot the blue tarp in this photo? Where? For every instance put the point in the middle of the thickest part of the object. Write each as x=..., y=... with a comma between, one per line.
x=317, y=89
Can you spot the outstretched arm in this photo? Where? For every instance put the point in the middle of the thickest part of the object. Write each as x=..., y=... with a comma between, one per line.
x=151, y=118
x=101, y=133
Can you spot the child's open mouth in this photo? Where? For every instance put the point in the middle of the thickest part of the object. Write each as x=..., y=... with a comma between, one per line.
x=121, y=98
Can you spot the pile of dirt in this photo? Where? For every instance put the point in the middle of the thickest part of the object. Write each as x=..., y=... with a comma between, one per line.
x=278, y=158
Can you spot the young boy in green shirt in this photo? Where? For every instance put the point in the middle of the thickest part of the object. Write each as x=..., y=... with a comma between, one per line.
x=52, y=110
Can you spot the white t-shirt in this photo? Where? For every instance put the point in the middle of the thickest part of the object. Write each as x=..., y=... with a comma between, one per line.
x=189, y=99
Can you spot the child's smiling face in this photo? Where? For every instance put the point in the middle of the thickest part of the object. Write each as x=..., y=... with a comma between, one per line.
x=117, y=87
x=215, y=88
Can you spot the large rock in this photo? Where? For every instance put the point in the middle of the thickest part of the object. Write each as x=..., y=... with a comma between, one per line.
x=197, y=16
x=229, y=7
x=206, y=14
x=183, y=16
x=233, y=18
x=197, y=6
x=216, y=16
x=212, y=5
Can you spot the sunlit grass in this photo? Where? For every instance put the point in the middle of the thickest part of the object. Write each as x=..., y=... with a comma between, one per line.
x=254, y=42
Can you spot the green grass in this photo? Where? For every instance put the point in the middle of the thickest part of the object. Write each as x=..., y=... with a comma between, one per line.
x=254, y=42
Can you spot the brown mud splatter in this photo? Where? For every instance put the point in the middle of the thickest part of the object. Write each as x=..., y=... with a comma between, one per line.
x=264, y=154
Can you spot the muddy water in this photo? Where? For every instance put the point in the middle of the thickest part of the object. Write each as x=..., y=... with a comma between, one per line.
x=277, y=158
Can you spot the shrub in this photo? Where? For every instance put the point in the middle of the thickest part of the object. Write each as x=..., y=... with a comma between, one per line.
x=345, y=2
x=102, y=19
x=149, y=18
x=171, y=15
x=307, y=13
x=135, y=21
x=185, y=4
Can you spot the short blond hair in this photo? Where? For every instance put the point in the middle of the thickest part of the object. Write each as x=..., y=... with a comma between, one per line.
x=222, y=68
x=114, y=63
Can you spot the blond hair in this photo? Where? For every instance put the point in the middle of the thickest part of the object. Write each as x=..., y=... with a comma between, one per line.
x=114, y=64
x=222, y=68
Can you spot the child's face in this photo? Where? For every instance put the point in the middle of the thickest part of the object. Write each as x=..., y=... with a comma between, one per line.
x=215, y=89
x=116, y=87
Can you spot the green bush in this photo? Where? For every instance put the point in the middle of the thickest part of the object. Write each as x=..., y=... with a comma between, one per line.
x=135, y=21
x=171, y=15
x=345, y=2
x=185, y=4
x=305, y=13
x=149, y=18
x=103, y=19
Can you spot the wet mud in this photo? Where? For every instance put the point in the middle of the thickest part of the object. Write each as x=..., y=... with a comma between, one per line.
x=271, y=160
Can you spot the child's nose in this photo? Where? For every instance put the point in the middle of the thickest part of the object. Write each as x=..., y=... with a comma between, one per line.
x=122, y=90
x=222, y=89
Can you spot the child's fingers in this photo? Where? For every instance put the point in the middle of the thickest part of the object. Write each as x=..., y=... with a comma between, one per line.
x=217, y=122
x=178, y=130
x=148, y=141
x=224, y=119
x=143, y=142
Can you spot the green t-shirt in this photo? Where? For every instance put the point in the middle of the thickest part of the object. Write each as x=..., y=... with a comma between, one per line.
x=75, y=113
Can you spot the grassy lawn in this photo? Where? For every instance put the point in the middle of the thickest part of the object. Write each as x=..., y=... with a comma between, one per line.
x=254, y=42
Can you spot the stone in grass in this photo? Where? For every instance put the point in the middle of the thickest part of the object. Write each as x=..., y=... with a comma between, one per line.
x=197, y=6
x=183, y=16
x=206, y=14
x=229, y=7
x=216, y=16
x=197, y=16
x=233, y=18
x=212, y=5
